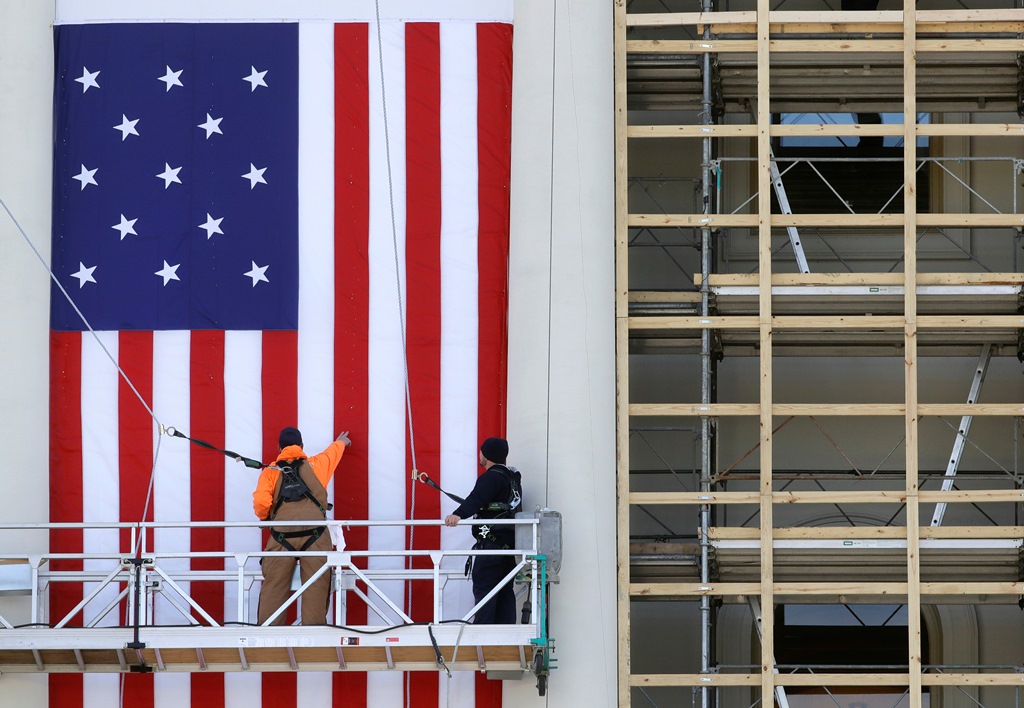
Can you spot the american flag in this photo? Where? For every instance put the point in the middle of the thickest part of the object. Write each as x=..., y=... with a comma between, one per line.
x=245, y=231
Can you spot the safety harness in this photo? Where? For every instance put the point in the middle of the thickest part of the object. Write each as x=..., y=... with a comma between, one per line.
x=293, y=489
x=501, y=510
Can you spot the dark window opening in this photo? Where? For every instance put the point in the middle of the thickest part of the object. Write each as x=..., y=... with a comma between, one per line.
x=865, y=172
x=844, y=639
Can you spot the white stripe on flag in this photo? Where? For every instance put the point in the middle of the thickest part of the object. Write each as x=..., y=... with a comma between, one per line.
x=171, y=488
x=171, y=492
x=458, y=309
x=386, y=406
x=100, y=492
x=316, y=229
x=243, y=405
x=316, y=269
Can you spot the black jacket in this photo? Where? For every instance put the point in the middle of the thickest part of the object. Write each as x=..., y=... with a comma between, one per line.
x=493, y=486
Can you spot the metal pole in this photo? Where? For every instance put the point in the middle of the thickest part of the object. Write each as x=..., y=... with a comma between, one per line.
x=705, y=367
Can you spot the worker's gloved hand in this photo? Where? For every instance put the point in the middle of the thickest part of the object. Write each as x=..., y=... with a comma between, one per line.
x=343, y=437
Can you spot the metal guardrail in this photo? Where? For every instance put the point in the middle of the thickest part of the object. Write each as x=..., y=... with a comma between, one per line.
x=148, y=578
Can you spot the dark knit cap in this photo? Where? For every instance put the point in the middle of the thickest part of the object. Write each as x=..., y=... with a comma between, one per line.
x=289, y=436
x=495, y=450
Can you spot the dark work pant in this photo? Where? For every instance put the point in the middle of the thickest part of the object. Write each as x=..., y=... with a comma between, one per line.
x=488, y=571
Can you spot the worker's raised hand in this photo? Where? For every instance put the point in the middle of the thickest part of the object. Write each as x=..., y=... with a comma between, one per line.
x=343, y=437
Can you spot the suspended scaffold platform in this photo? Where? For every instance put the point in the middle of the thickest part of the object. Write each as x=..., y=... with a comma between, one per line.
x=149, y=610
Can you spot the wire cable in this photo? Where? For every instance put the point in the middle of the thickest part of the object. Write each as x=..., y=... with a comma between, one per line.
x=124, y=377
x=81, y=316
x=401, y=308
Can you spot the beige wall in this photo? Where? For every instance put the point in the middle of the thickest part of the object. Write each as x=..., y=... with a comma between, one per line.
x=26, y=61
x=561, y=320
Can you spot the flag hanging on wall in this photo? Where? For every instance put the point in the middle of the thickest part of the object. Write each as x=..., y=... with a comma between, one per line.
x=248, y=210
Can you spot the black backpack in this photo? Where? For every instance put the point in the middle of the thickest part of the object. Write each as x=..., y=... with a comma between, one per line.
x=514, y=504
x=293, y=487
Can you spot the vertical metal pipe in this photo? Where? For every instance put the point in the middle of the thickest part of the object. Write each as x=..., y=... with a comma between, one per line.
x=705, y=366
x=1016, y=466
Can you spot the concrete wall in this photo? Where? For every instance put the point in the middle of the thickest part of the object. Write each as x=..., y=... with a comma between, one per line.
x=561, y=369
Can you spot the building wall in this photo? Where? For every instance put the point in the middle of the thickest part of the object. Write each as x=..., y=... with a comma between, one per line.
x=561, y=325
x=561, y=352
x=26, y=60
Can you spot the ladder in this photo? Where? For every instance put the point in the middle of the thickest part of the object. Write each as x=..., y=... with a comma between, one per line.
x=794, y=234
x=962, y=431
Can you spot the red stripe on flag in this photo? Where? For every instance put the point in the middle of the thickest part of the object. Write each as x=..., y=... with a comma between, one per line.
x=279, y=381
x=135, y=443
x=206, y=415
x=65, y=490
x=134, y=429
x=423, y=309
x=351, y=302
x=494, y=136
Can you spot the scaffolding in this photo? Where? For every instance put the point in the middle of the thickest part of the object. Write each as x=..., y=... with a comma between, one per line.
x=739, y=257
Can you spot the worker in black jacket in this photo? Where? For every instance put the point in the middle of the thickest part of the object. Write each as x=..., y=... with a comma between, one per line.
x=496, y=495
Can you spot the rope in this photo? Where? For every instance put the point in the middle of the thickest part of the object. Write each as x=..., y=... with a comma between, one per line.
x=120, y=371
x=401, y=308
x=455, y=653
x=149, y=493
x=551, y=248
x=394, y=237
x=81, y=316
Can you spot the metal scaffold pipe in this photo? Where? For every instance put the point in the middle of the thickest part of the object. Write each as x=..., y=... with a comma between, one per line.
x=706, y=365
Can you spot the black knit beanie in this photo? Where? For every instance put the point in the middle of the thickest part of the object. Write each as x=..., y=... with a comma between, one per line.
x=289, y=436
x=495, y=450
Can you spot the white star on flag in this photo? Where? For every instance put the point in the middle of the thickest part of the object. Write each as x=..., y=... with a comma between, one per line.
x=258, y=273
x=168, y=272
x=84, y=274
x=171, y=78
x=87, y=177
x=255, y=176
x=256, y=78
x=88, y=79
x=127, y=127
x=127, y=226
x=211, y=126
x=212, y=226
x=169, y=175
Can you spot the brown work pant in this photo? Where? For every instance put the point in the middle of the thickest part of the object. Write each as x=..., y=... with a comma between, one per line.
x=277, y=581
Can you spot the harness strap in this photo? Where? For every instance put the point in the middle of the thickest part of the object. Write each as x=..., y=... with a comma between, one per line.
x=247, y=461
x=307, y=494
x=425, y=478
x=283, y=536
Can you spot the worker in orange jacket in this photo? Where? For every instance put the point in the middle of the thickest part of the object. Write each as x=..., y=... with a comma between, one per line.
x=298, y=497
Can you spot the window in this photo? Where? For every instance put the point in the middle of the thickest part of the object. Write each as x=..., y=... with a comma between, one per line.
x=844, y=638
x=820, y=173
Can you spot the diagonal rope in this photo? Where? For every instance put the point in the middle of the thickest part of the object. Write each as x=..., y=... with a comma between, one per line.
x=124, y=377
x=81, y=316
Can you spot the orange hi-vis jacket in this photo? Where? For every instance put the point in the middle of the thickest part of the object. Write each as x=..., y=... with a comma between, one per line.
x=323, y=466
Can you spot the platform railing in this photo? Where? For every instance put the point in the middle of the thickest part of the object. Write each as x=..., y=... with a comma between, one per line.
x=145, y=574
